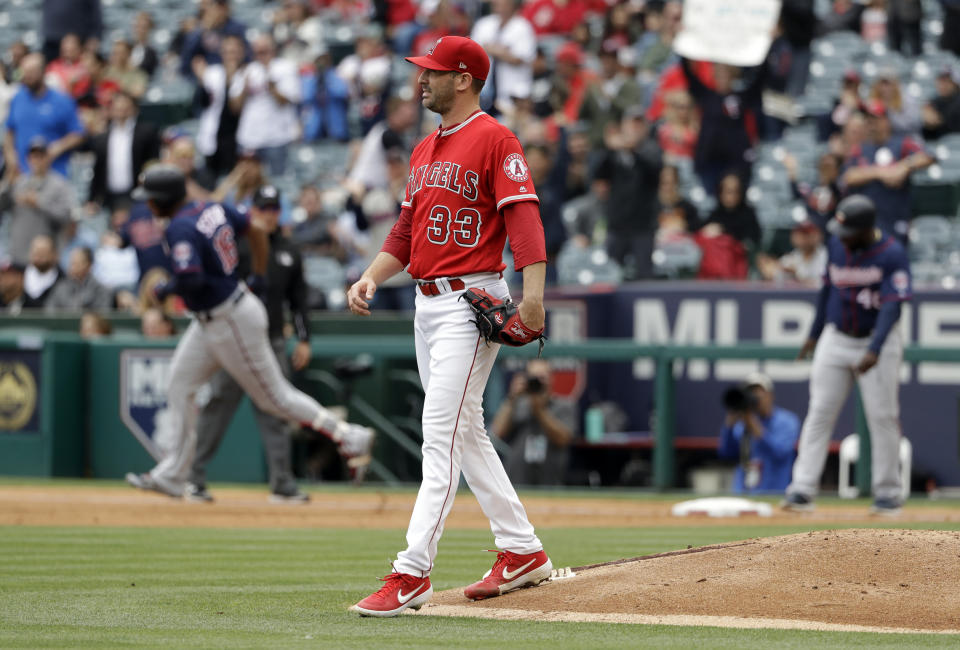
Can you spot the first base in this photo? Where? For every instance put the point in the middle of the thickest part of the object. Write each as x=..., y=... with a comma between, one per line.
x=722, y=507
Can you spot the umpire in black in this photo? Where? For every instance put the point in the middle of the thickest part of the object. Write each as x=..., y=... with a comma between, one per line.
x=286, y=287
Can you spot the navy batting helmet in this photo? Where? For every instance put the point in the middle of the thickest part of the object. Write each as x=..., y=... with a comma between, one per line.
x=162, y=183
x=854, y=214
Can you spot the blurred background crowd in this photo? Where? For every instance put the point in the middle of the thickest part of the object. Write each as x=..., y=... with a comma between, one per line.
x=647, y=165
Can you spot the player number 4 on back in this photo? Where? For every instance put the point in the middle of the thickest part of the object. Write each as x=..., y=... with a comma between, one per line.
x=868, y=299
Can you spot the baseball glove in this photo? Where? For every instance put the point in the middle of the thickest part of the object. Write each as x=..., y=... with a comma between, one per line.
x=499, y=321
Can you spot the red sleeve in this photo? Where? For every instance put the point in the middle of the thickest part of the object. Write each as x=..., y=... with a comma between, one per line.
x=397, y=242
x=526, y=233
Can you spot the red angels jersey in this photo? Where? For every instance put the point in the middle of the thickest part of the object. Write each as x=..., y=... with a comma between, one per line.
x=460, y=179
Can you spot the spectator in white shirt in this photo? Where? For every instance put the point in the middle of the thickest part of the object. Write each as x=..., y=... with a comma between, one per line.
x=369, y=170
x=805, y=264
x=367, y=73
x=267, y=93
x=217, y=134
x=120, y=154
x=42, y=273
x=511, y=43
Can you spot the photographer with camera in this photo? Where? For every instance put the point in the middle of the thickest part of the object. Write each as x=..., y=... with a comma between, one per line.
x=760, y=435
x=537, y=427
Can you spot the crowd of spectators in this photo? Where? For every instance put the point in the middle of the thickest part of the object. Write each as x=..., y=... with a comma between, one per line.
x=620, y=132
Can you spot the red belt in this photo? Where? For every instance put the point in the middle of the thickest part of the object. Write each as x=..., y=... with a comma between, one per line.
x=430, y=288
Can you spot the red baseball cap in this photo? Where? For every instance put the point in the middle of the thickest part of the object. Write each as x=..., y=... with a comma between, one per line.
x=570, y=52
x=455, y=54
x=876, y=108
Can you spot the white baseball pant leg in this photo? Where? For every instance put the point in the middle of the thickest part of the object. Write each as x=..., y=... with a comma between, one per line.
x=831, y=378
x=454, y=364
x=192, y=366
x=880, y=389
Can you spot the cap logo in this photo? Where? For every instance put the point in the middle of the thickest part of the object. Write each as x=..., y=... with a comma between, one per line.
x=463, y=66
x=515, y=168
x=430, y=51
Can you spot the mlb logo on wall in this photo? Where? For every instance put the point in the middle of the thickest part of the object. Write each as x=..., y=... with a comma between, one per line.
x=143, y=394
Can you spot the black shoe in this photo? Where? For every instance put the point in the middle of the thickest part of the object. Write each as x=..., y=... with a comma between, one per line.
x=197, y=493
x=797, y=502
x=289, y=496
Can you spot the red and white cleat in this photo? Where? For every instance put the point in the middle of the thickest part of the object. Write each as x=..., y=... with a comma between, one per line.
x=511, y=571
x=399, y=592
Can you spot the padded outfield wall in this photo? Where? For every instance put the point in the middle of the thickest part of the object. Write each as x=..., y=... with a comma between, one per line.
x=92, y=404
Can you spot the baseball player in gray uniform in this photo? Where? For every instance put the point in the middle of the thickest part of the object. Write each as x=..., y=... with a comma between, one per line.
x=286, y=287
x=228, y=330
x=855, y=337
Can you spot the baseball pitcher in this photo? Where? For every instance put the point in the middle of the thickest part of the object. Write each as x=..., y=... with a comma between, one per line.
x=469, y=187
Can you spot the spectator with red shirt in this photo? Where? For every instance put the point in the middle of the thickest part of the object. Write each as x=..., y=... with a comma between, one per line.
x=101, y=88
x=733, y=214
x=880, y=169
x=679, y=130
x=729, y=230
x=554, y=16
x=570, y=80
x=69, y=73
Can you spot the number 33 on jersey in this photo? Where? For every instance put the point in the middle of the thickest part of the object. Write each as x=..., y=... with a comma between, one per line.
x=456, y=189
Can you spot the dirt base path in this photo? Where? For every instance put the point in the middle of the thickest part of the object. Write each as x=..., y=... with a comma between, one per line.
x=854, y=580
x=249, y=508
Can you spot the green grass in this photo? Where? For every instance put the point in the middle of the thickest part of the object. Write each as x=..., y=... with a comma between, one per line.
x=209, y=588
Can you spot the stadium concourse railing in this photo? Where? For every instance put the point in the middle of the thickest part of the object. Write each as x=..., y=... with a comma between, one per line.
x=664, y=356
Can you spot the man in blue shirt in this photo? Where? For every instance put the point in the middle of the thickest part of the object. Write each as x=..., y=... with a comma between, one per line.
x=37, y=110
x=761, y=436
x=228, y=331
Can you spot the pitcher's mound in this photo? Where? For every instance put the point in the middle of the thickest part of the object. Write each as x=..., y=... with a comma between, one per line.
x=877, y=580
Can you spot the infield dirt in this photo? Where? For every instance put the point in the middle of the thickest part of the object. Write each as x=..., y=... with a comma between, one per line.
x=859, y=579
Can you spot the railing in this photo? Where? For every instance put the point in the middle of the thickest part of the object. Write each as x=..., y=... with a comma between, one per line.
x=663, y=356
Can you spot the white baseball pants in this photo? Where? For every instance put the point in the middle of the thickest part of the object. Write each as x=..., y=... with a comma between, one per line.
x=235, y=339
x=454, y=364
x=831, y=379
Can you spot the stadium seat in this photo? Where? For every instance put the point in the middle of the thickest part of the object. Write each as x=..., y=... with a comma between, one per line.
x=591, y=265
x=328, y=276
x=677, y=259
x=931, y=232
